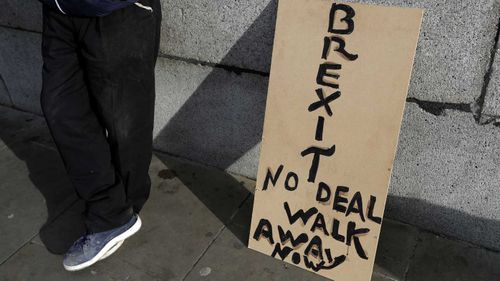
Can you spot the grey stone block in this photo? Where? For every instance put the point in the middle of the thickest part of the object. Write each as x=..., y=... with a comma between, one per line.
x=209, y=115
x=238, y=33
x=445, y=176
x=437, y=258
x=491, y=106
x=21, y=67
x=454, y=48
x=21, y=14
x=452, y=56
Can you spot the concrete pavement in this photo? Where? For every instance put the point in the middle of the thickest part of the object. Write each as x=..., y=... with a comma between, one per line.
x=195, y=225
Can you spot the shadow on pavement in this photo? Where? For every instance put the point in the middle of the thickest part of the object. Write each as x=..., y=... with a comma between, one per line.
x=215, y=133
x=220, y=191
x=30, y=144
x=226, y=196
x=223, y=134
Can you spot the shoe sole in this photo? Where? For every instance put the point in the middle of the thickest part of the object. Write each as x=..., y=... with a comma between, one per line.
x=110, y=246
x=112, y=250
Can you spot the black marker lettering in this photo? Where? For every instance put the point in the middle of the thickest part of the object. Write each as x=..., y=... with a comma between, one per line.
x=350, y=13
x=300, y=214
x=319, y=194
x=352, y=234
x=319, y=222
x=291, y=175
x=315, y=248
x=317, y=151
x=324, y=101
x=264, y=229
x=356, y=206
x=371, y=207
x=335, y=231
x=323, y=72
x=282, y=252
x=338, y=199
x=269, y=177
x=340, y=48
x=284, y=237
x=319, y=128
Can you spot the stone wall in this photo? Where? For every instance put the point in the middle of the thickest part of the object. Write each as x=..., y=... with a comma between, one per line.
x=212, y=78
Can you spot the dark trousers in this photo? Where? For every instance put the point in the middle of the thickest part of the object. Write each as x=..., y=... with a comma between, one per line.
x=98, y=100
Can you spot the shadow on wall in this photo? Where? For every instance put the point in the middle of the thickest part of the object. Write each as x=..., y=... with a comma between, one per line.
x=470, y=228
x=219, y=124
x=211, y=129
x=222, y=120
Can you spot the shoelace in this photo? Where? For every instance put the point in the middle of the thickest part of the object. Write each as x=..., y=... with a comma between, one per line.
x=82, y=241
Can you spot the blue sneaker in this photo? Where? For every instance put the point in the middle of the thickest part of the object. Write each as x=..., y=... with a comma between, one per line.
x=91, y=248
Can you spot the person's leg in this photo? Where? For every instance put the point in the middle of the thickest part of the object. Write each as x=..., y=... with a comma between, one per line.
x=119, y=53
x=77, y=133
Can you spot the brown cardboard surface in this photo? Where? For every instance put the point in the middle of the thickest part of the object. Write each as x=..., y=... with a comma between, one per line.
x=364, y=129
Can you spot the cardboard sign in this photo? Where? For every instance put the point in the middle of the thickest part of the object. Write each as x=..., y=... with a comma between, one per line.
x=338, y=85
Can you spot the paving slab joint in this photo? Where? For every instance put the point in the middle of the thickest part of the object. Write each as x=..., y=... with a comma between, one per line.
x=230, y=68
x=202, y=254
x=216, y=236
x=412, y=256
x=478, y=104
x=24, y=244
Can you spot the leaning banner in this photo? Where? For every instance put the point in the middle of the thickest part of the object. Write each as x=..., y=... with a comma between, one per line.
x=337, y=90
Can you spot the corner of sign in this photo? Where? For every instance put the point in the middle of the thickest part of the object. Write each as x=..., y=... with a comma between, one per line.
x=422, y=11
